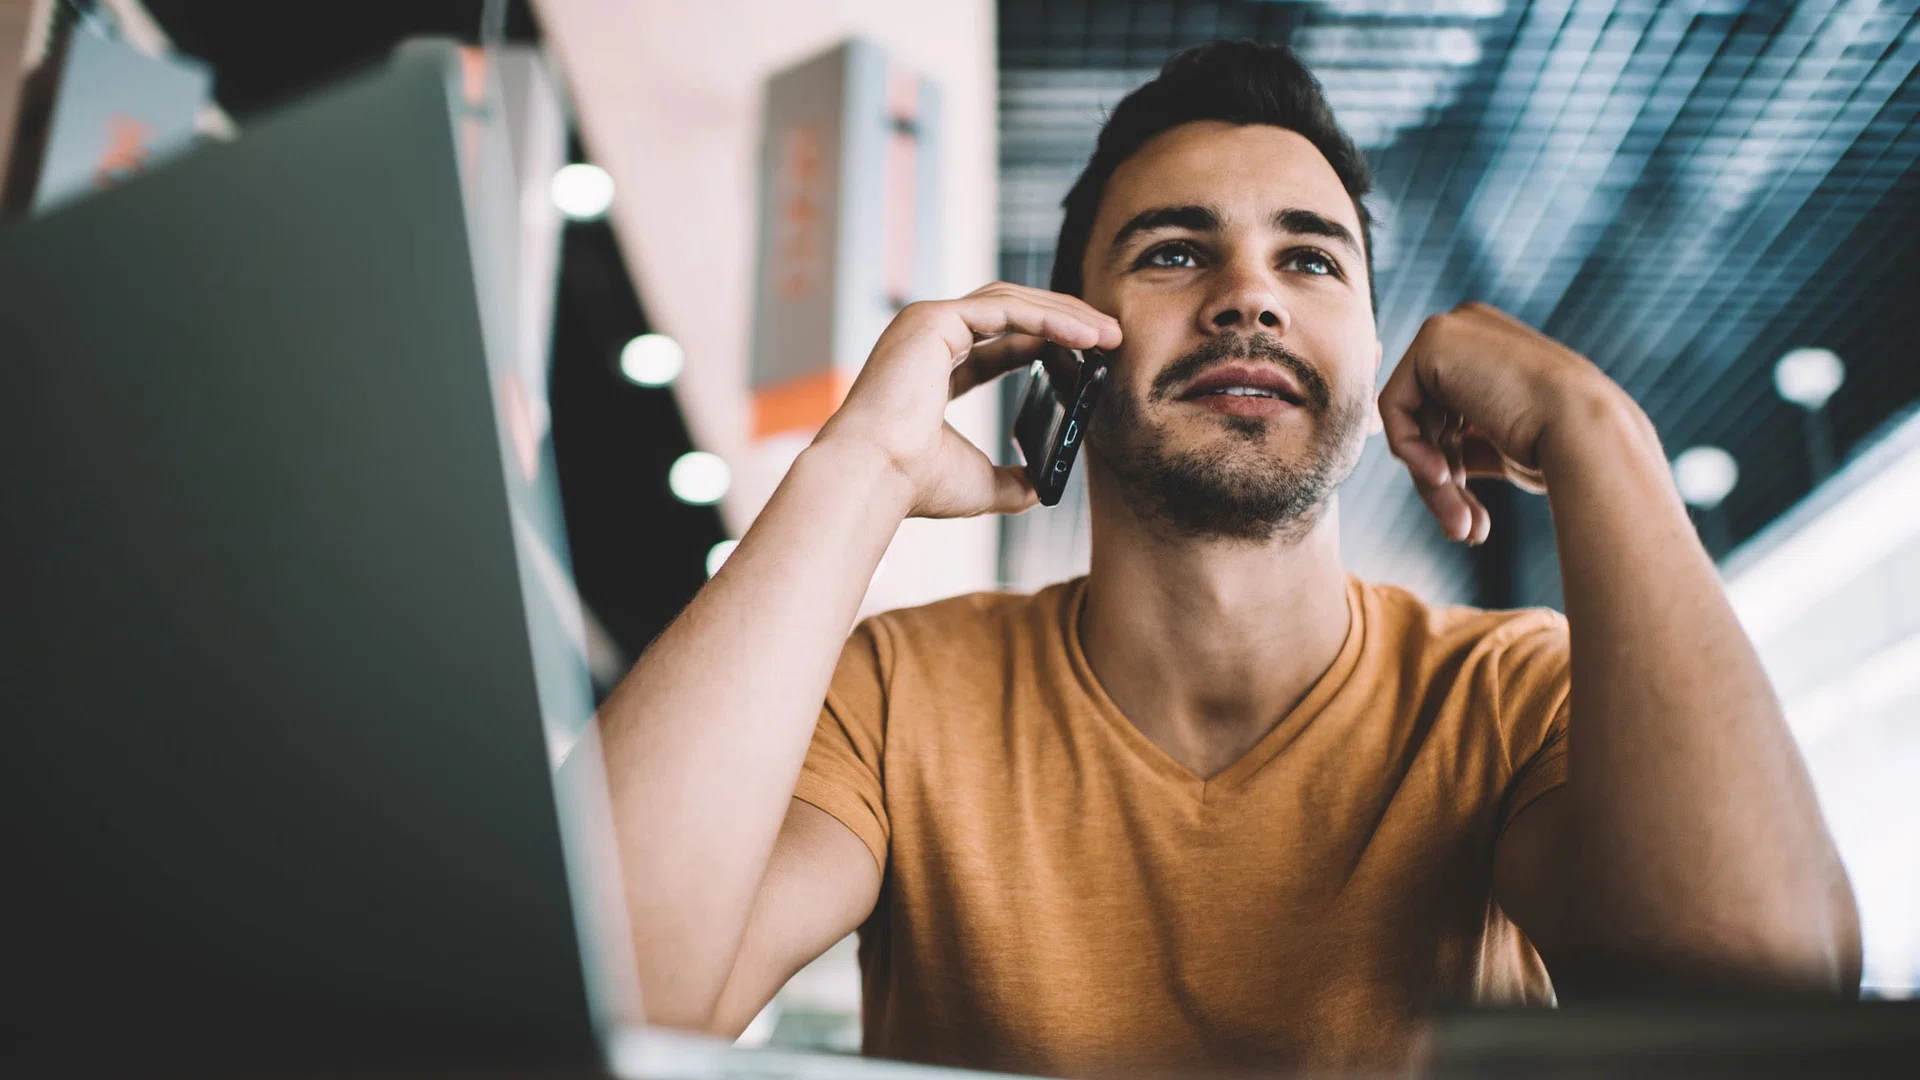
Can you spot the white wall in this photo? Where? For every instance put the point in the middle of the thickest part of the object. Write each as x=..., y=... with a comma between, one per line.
x=1831, y=596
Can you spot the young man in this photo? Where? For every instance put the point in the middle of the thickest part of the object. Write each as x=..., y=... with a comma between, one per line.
x=1217, y=803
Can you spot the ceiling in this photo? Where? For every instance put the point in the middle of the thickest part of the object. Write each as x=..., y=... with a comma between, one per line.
x=1680, y=191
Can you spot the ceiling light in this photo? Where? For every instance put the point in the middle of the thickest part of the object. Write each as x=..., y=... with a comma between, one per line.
x=718, y=553
x=1705, y=475
x=699, y=478
x=582, y=192
x=1808, y=377
x=652, y=360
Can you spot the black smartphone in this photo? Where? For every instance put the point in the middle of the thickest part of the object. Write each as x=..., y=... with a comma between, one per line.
x=1050, y=424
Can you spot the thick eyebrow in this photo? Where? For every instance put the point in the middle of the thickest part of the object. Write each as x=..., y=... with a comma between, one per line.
x=1193, y=218
x=1203, y=219
x=1308, y=223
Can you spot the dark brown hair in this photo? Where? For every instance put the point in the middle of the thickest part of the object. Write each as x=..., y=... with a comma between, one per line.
x=1240, y=82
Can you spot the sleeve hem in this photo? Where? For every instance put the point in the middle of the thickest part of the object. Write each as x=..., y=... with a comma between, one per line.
x=1547, y=772
x=849, y=811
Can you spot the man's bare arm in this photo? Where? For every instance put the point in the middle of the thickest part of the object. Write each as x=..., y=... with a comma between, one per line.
x=1687, y=852
x=1687, y=849
x=731, y=885
x=706, y=736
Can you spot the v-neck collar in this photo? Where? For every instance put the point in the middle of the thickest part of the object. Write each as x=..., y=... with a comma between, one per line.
x=1265, y=750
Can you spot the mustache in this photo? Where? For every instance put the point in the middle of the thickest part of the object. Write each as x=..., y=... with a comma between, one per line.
x=1226, y=347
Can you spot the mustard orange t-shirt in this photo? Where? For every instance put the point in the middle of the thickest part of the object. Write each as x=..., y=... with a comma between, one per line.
x=1061, y=897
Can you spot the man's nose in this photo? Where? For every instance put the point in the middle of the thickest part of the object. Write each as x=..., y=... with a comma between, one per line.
x=1246, y=302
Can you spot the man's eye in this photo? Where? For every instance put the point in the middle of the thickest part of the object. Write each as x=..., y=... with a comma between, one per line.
x=1313, y=262
x=1171, y=256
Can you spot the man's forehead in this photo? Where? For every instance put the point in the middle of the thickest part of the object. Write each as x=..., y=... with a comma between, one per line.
x=1243, y=172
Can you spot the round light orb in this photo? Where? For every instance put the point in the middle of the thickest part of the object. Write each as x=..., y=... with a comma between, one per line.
x=582, y=192
x=1808, y=377
x=699, y=478
x=652, y=360
x=1457, y=47
x=1705, y=475
x=718, y=553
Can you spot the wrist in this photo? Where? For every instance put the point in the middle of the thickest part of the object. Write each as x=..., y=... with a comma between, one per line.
x=854, y=464
x=1595, y=421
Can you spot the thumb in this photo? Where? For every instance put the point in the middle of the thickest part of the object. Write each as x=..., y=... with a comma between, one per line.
x=1012, y=491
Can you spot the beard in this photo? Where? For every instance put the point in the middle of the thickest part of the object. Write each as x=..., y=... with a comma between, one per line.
x=1239, y=490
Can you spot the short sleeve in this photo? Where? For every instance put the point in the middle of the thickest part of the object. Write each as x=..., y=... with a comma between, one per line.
x=843, y=772
x=1535, y=684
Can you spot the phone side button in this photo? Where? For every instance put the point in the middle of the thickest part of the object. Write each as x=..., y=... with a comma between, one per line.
x=1072, y=433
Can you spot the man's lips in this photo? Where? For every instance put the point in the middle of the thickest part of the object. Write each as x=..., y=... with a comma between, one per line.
x=1246, y=383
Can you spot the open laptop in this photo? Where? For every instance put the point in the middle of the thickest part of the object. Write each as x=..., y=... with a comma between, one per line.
x=299, y=767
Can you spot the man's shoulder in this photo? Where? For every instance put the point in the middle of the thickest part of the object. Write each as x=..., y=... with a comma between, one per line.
x=1512, y=666
x=977, y=617
x=1456, y=630
x=955, y=650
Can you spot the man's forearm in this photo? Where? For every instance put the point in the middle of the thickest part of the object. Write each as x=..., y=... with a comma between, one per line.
x=706, y=736
x=1696, y=844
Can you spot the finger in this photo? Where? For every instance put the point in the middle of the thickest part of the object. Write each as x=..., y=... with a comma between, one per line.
x=1073, y=304
x=1012, y=491
x=1004, y=313
x=1449, y=509
x=991, y=359
x=1479, y=519
x=1482, y=519
x=1457, y=466
x=1455, y=441
x=1400, y=405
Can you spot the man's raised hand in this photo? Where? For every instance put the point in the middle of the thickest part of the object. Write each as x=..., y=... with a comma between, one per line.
x=1477, y=394
x=934, y=351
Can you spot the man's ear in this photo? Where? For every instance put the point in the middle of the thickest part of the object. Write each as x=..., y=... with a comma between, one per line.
x=1375, y=425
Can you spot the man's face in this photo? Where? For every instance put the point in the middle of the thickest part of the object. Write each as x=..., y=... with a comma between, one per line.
x=1239, y=401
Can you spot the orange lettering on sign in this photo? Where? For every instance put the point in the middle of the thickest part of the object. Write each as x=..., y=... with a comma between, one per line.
x=799, y=245
x=126, y=152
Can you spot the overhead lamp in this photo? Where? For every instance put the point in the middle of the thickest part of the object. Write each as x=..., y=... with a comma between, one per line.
x=652, y=360
x=1705, y=476
x=699, y=478
x=1808, y=377
x=582, y=192
x=718, y=553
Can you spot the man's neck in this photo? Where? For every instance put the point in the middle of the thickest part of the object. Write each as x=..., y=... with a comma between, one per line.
x=1207, y=644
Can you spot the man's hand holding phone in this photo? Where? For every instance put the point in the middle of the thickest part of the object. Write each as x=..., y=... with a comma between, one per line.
x=933, y=352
